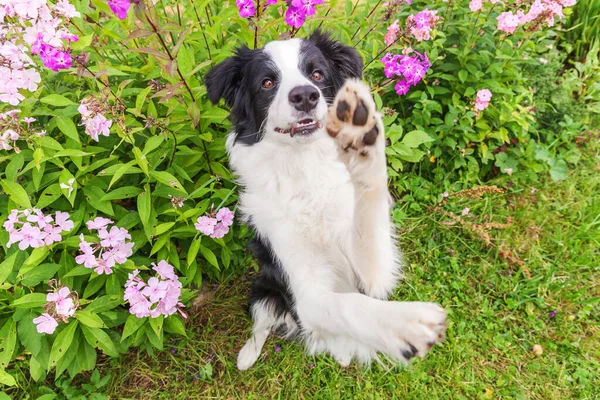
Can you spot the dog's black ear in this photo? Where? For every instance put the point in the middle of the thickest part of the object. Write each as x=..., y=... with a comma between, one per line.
x=223, y=80
x=347, y=62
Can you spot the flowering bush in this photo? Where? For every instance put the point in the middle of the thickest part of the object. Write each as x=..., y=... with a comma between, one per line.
x=116, y=198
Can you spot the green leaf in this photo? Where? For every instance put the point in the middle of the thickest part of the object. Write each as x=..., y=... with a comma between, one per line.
x=210, y=257
x=559, y=171
x=125, y=192
x=41, y=273
x=62, y=343
x=173, y=324
x=144, y=203
x=120, y=172
x=89, y=319
x=56, y=100
x=8, y=343
x=193, y=251
x=162, y=228
x=31, y=300
x=28, y=334
x=49, y=196
x=194, y=113
x=104, y=303
x=156, y=324
x=462, y=75
x=6, y=267
x=415, y=138
x=7, y=379
x=141, y=160
x=79, y=270
x=141, y=98
x=100, y=339
x=94, y=195
x=16, y=193
x=132, y=324
x=67, y=127
x=153, y=143
x=167, y=179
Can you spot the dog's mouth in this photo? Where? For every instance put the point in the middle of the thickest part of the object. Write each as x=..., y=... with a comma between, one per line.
x=303, y=127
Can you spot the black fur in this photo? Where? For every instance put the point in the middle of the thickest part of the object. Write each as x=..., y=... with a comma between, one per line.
x=336, y=61
x=238, y=80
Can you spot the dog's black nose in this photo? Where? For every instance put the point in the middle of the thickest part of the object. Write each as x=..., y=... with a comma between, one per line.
x=304, y=98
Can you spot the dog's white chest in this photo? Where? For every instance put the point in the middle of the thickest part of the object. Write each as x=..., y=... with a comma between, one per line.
x=306, y=189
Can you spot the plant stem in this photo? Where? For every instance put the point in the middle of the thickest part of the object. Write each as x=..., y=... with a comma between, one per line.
x=368, y=16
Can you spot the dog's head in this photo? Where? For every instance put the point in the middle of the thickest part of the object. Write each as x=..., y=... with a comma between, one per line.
x=282, y=91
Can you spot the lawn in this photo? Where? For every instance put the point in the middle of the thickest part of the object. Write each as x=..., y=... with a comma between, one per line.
x=476, y=266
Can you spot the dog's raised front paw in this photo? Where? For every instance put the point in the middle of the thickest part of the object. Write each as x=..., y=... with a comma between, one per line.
x=353, y=120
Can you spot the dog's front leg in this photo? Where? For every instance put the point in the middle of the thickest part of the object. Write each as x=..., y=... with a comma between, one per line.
x=358, y=131
x=401, y=330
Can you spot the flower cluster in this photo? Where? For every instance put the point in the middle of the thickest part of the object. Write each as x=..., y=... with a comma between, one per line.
x=218, y=226
x=409, y=68
x=13, y=128
x=61, y=304
x=112, y=247
x=38, y=28
x=421, y=24
x=31, y=228
x=483, y=100
x=120, y=7
x=92, y=117
x=476, y=5
x=295, y=14
x=159, y=296
x=540, y=12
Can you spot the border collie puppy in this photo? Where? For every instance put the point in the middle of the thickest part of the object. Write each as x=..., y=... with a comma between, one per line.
x=308, y=147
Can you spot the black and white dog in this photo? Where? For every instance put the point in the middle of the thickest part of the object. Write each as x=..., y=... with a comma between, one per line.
x=308, y=146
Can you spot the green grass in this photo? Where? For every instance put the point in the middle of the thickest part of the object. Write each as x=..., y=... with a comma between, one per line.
x=496, y=314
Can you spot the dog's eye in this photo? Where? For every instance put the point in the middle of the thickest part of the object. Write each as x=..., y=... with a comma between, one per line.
x=317, y=76
x=268, y=84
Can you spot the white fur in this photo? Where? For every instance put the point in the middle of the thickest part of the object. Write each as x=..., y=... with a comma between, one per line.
x=327, y=220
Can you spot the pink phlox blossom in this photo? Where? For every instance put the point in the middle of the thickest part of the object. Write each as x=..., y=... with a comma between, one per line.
x=392, y=33
x=295, y=17
x=45, y=324
x=98, y=223
x=65, y=305
x=206, y=225
x=120, y=7
x=475, y=5
x=225, y=215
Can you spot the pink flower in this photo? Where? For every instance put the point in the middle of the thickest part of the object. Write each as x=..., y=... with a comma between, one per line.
x=466, y=211
x=98, y=125
x=155, y=290
x=64, y=304
x=475, y=5
x=62, y=220
x=98, y=223
x=306, y=6
x=113, y=237
x=484, y=95
x=31, y=236
x=63, y=7
x=568, y=3
x=219, y=231
x=247, y=9
x=206, y=225
x=165, y=270
x=225, y=215
x=40, y=219
x=45, y=324
x=103, y=268
x=402, y=87
x=392, y=33
x=508, y=22
x=294, y=17
x=51, y=234
x=120, y=7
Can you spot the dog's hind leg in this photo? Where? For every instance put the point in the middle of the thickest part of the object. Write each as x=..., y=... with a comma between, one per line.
x=270, y=305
